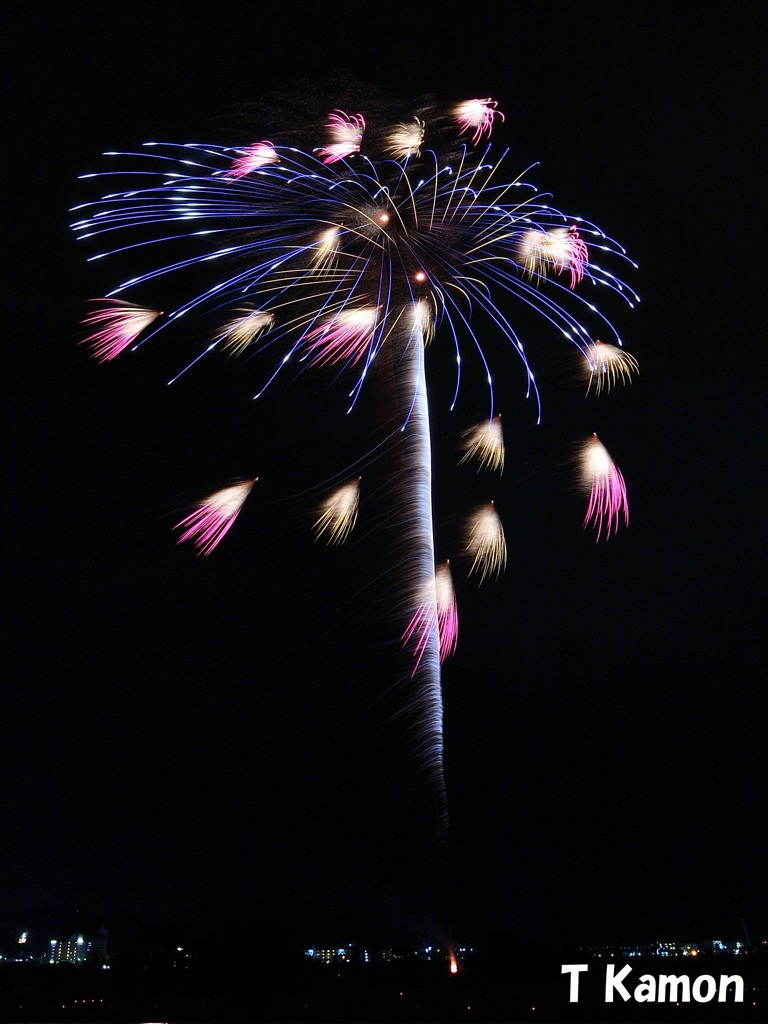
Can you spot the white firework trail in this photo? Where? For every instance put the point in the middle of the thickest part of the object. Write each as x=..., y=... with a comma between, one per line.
x=424, y=319
x=608, y=365
x=404, y=140
x=327, y=248
x=486, y=542
x=427, y=702
x=485, y=444
x=338, y=513
x=239, y=334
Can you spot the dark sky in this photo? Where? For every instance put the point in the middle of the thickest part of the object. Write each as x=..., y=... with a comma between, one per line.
x=203, y=737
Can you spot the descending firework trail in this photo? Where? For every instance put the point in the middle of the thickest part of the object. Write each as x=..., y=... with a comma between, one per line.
x=338, y=513
x=423, y=630
x=118, y=325
x=207, y=526
x=608, y=364
x=607, y=491
x=329, y=255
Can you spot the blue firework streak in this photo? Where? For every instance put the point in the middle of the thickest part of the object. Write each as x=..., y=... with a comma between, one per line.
x=334, y=255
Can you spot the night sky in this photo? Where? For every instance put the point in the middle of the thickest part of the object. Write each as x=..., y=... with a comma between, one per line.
x=197, y=738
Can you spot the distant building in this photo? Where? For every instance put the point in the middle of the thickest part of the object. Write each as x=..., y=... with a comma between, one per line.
x=349, y=954
x=63, y=951
x=329, y=956
x=77, y=949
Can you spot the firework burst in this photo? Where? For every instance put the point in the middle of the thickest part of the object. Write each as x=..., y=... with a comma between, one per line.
x=338, y=513
x=344, y=339
x=252, y=158
x=328, y=257
x=608, y=365
x=485, y=444
x=607, y=491
x=477, y=115
x=346, y=134
x=556, y=248
x=447, y=614
x=118, y=324
x=326, y=250
x=404, y=140
x=240, y=333
x=214, y=517
x=486, y=543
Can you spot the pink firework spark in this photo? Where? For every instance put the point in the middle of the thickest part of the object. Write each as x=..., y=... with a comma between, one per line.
x=607, y=490
x=257, y=155
x=214, y=517
x=345, y=337
x=477, y=114
x=538, y=250
x=441, y=611
x=346, y=131
x=447, y=615
x=419, y=629
x=119, y=325
x=578, y=256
